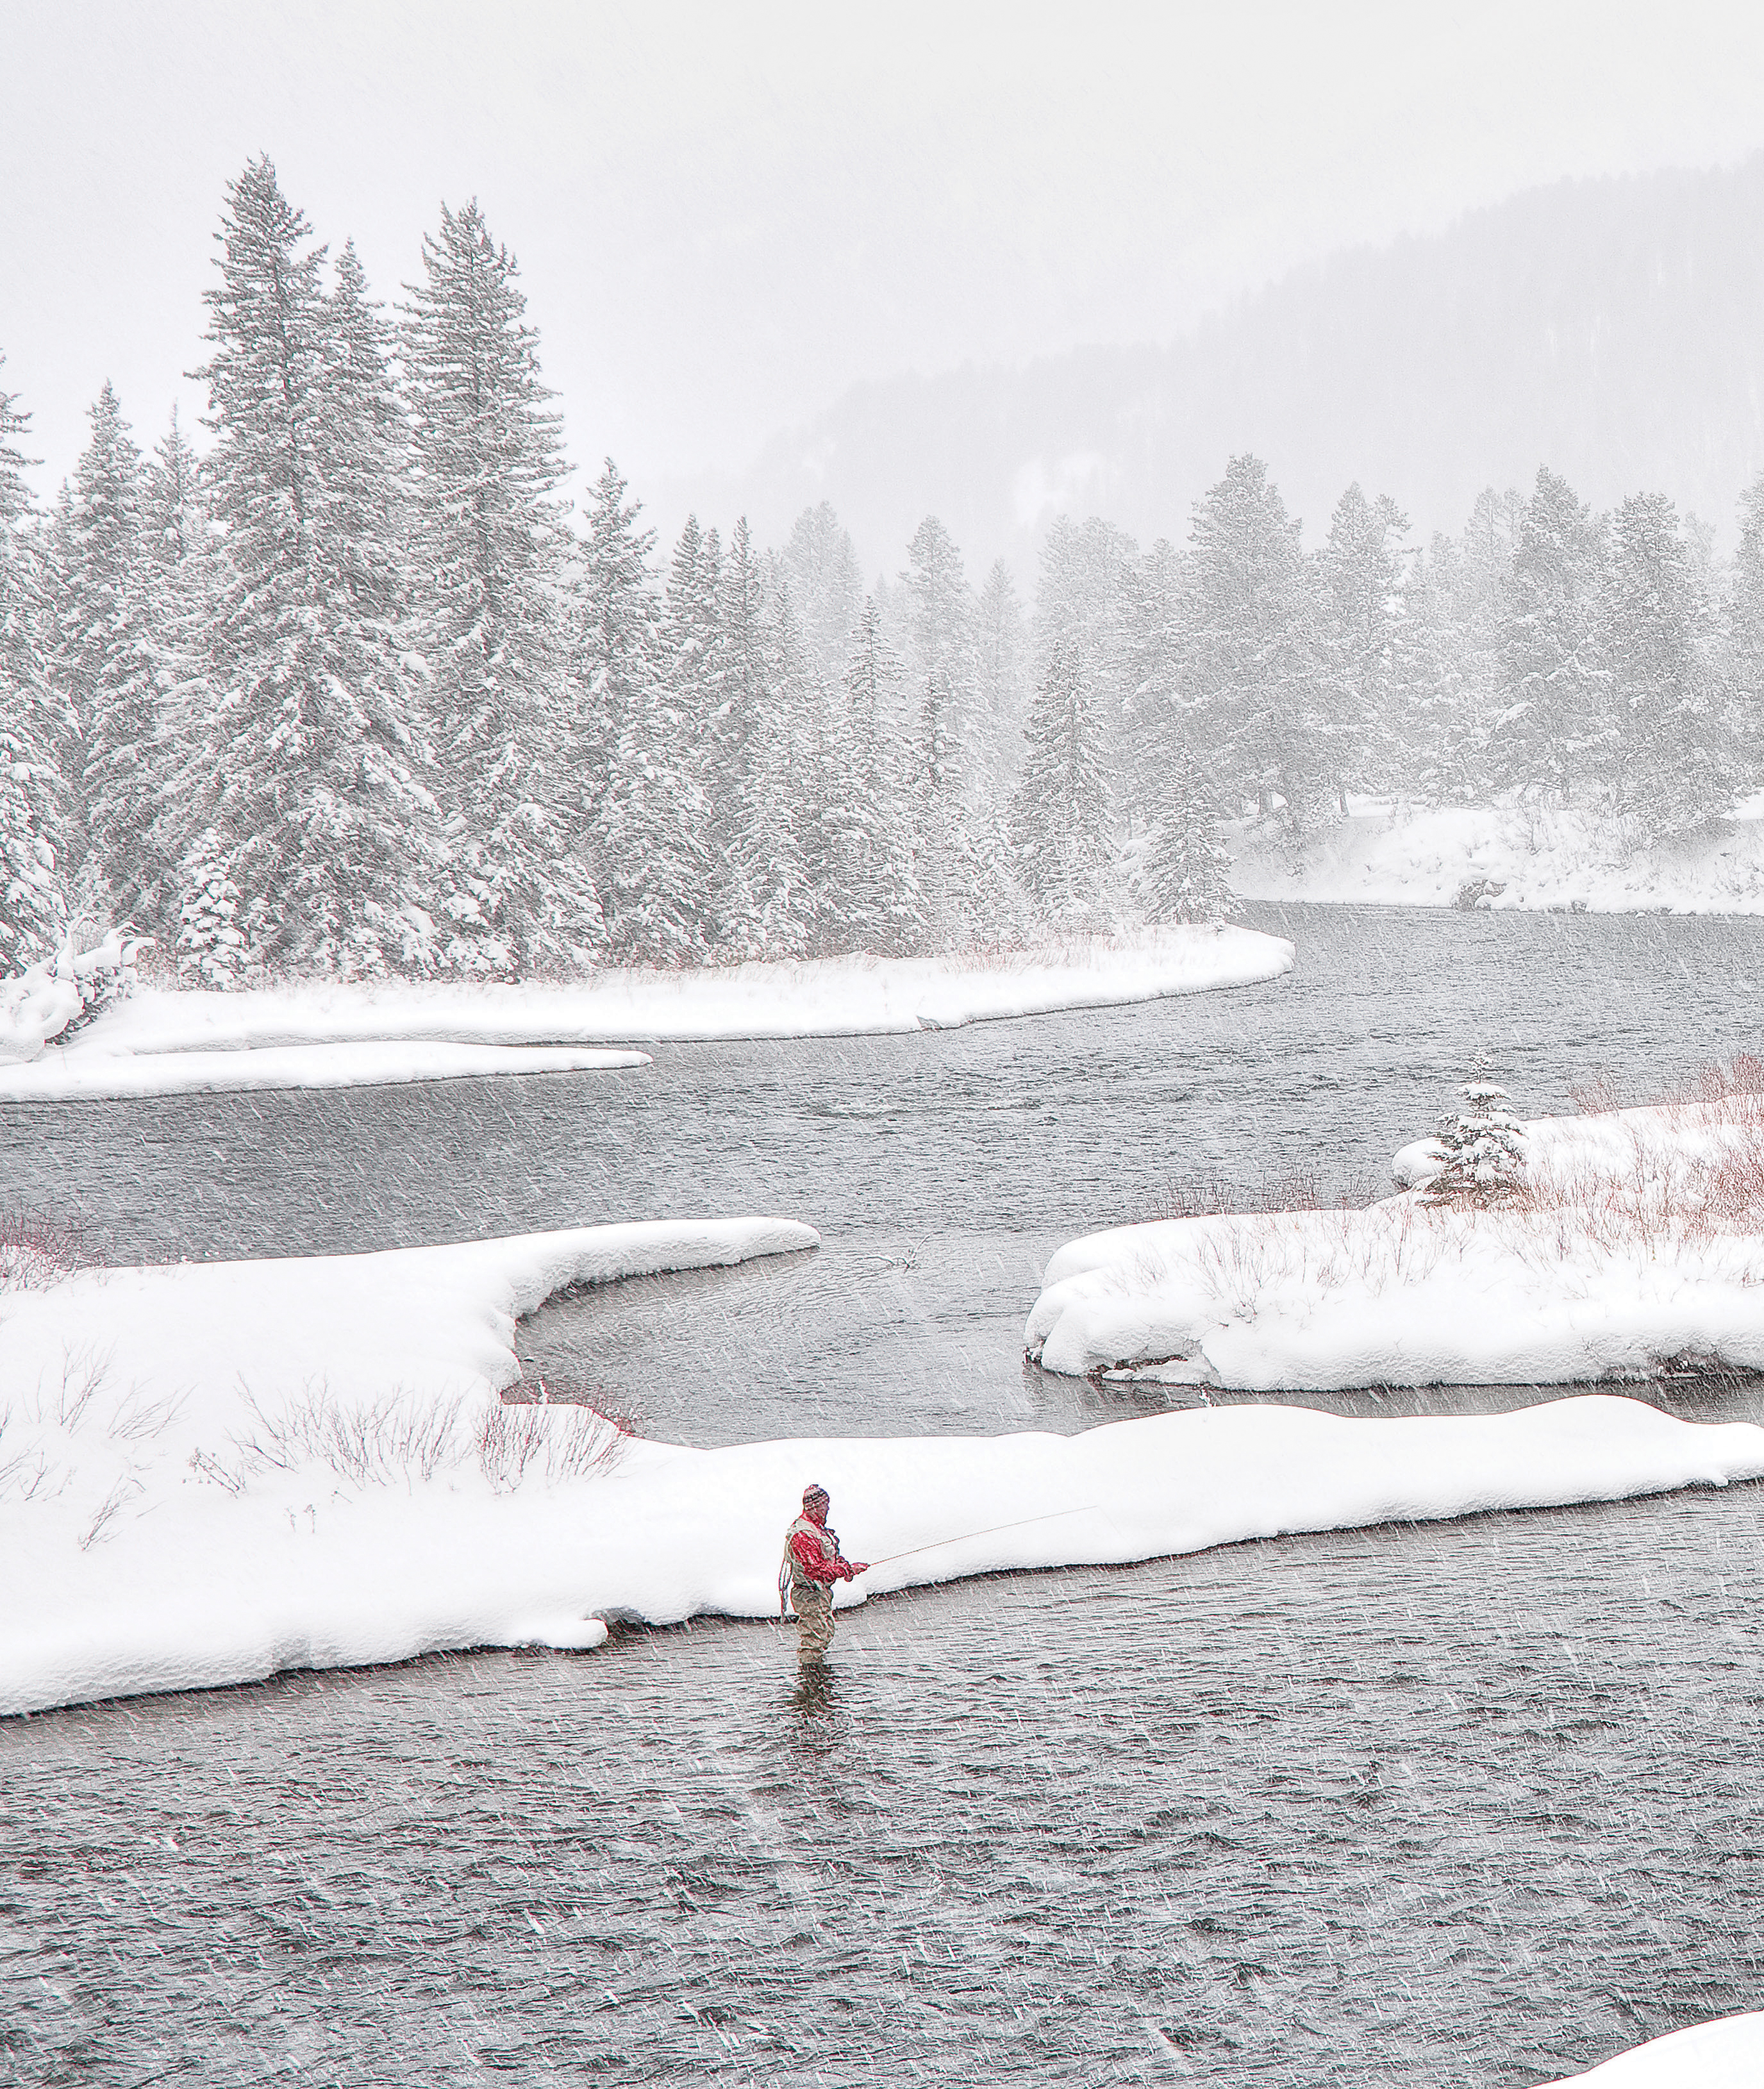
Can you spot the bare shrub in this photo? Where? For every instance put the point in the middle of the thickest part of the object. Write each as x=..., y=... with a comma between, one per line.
x=108, y=1509
x=565, y=1442
x=36, y=1252
x=371, y=1443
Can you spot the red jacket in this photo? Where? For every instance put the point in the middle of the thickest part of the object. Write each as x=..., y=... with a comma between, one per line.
x=816, y=1552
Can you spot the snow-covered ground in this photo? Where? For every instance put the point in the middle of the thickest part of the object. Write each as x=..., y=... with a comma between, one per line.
x=325, y=1035
x=1641, y=1244
x=1726, y=2054
x=210, y=1471
x=107, y=1067
x=1549, y=857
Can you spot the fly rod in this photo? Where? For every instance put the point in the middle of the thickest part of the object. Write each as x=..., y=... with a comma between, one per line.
x=992, y=1531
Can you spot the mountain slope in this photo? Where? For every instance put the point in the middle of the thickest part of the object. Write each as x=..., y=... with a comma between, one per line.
x=1612, y=328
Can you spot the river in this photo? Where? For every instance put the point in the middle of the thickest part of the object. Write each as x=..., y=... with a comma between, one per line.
x=1441, y=1806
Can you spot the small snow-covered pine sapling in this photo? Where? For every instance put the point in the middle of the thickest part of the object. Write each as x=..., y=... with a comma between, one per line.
x=1483, y=1144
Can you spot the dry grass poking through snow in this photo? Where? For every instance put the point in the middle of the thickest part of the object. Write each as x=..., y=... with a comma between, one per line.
x=1679, y=1180
x=400, y=1441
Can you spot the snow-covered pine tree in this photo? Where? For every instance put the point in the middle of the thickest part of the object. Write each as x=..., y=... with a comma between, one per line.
x=640, y=809
x=33, y=898
x=1674, y=765
x=948, y=798
x=1001, y=681
x=1559, y=732
x=308, y=765
x=1482, y=1145
x=1248, y=642
x=1187, y=872
x=689, y=626
x=871, y=893
x=210, y=947
x=106, y=658
x=1744, y=673
x=1361, y=567
x=753, y=836
x=1061, y=824
x=492, y=546
x=615, y=643
x=181, y=569
x=825, y=588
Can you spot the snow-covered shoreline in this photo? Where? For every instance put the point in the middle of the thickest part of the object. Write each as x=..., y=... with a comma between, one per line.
x=1639, y=1245
x=1504, y=857
x=212, y=1471
x=1728, y=2054
x=330, y=1034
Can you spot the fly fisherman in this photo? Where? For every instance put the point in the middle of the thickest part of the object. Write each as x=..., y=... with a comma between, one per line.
x=813, y=1562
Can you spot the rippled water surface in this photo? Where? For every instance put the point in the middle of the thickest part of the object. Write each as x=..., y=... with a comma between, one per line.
x=1472, y=1804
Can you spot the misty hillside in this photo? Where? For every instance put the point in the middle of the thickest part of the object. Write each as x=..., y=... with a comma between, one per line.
x=1613, y=328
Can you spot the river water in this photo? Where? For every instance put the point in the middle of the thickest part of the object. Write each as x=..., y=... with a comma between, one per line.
x=1465, y=1804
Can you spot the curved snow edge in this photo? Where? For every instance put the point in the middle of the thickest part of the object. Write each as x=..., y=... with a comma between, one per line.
x=1725, y=2053
x=671, y=1532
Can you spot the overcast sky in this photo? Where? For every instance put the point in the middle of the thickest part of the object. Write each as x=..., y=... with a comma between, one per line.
x=726, y=214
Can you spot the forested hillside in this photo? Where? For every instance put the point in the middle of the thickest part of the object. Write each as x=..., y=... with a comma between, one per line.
x=354, y=692
x=1615, y=327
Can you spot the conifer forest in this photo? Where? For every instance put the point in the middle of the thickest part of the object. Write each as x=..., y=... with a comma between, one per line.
x=348, y=688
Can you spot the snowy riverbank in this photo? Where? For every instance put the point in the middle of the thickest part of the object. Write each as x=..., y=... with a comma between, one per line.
x=211, y=1472
x=317, y=1035
x=1726, y=2054
x=1640, y=1244
x=1504, y=856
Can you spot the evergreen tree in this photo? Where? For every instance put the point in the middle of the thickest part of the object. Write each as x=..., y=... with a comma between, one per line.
x=211, y=951
x=32, y=900
x=1360, y=566
x=1248, y=647
x=1745, y=650
x=180, y=568
x=490, y=542
x=1188, y=873
x=1673, y=766
x=873, y=892
x=947, y=797
x=1559, y=731
x=307, y=768
x=1060, y=816
x=1481, y=1146
x=827, y=588
x=106, y=659
x=689, y=626
x=639, y=810
x=1001, y=678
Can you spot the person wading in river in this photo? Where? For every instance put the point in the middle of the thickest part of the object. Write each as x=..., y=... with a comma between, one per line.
x=813, y=1562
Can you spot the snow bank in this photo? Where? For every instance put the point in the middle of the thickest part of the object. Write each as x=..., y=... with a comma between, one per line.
x=1675, y=1147
x=829, y=996
x=302, y=1566
x=1509, y=856
x=1726, y=2054
x=1639, y=1242
x=93, y=1066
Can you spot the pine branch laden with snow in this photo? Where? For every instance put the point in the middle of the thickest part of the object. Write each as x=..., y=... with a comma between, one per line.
x=1481, y=1146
